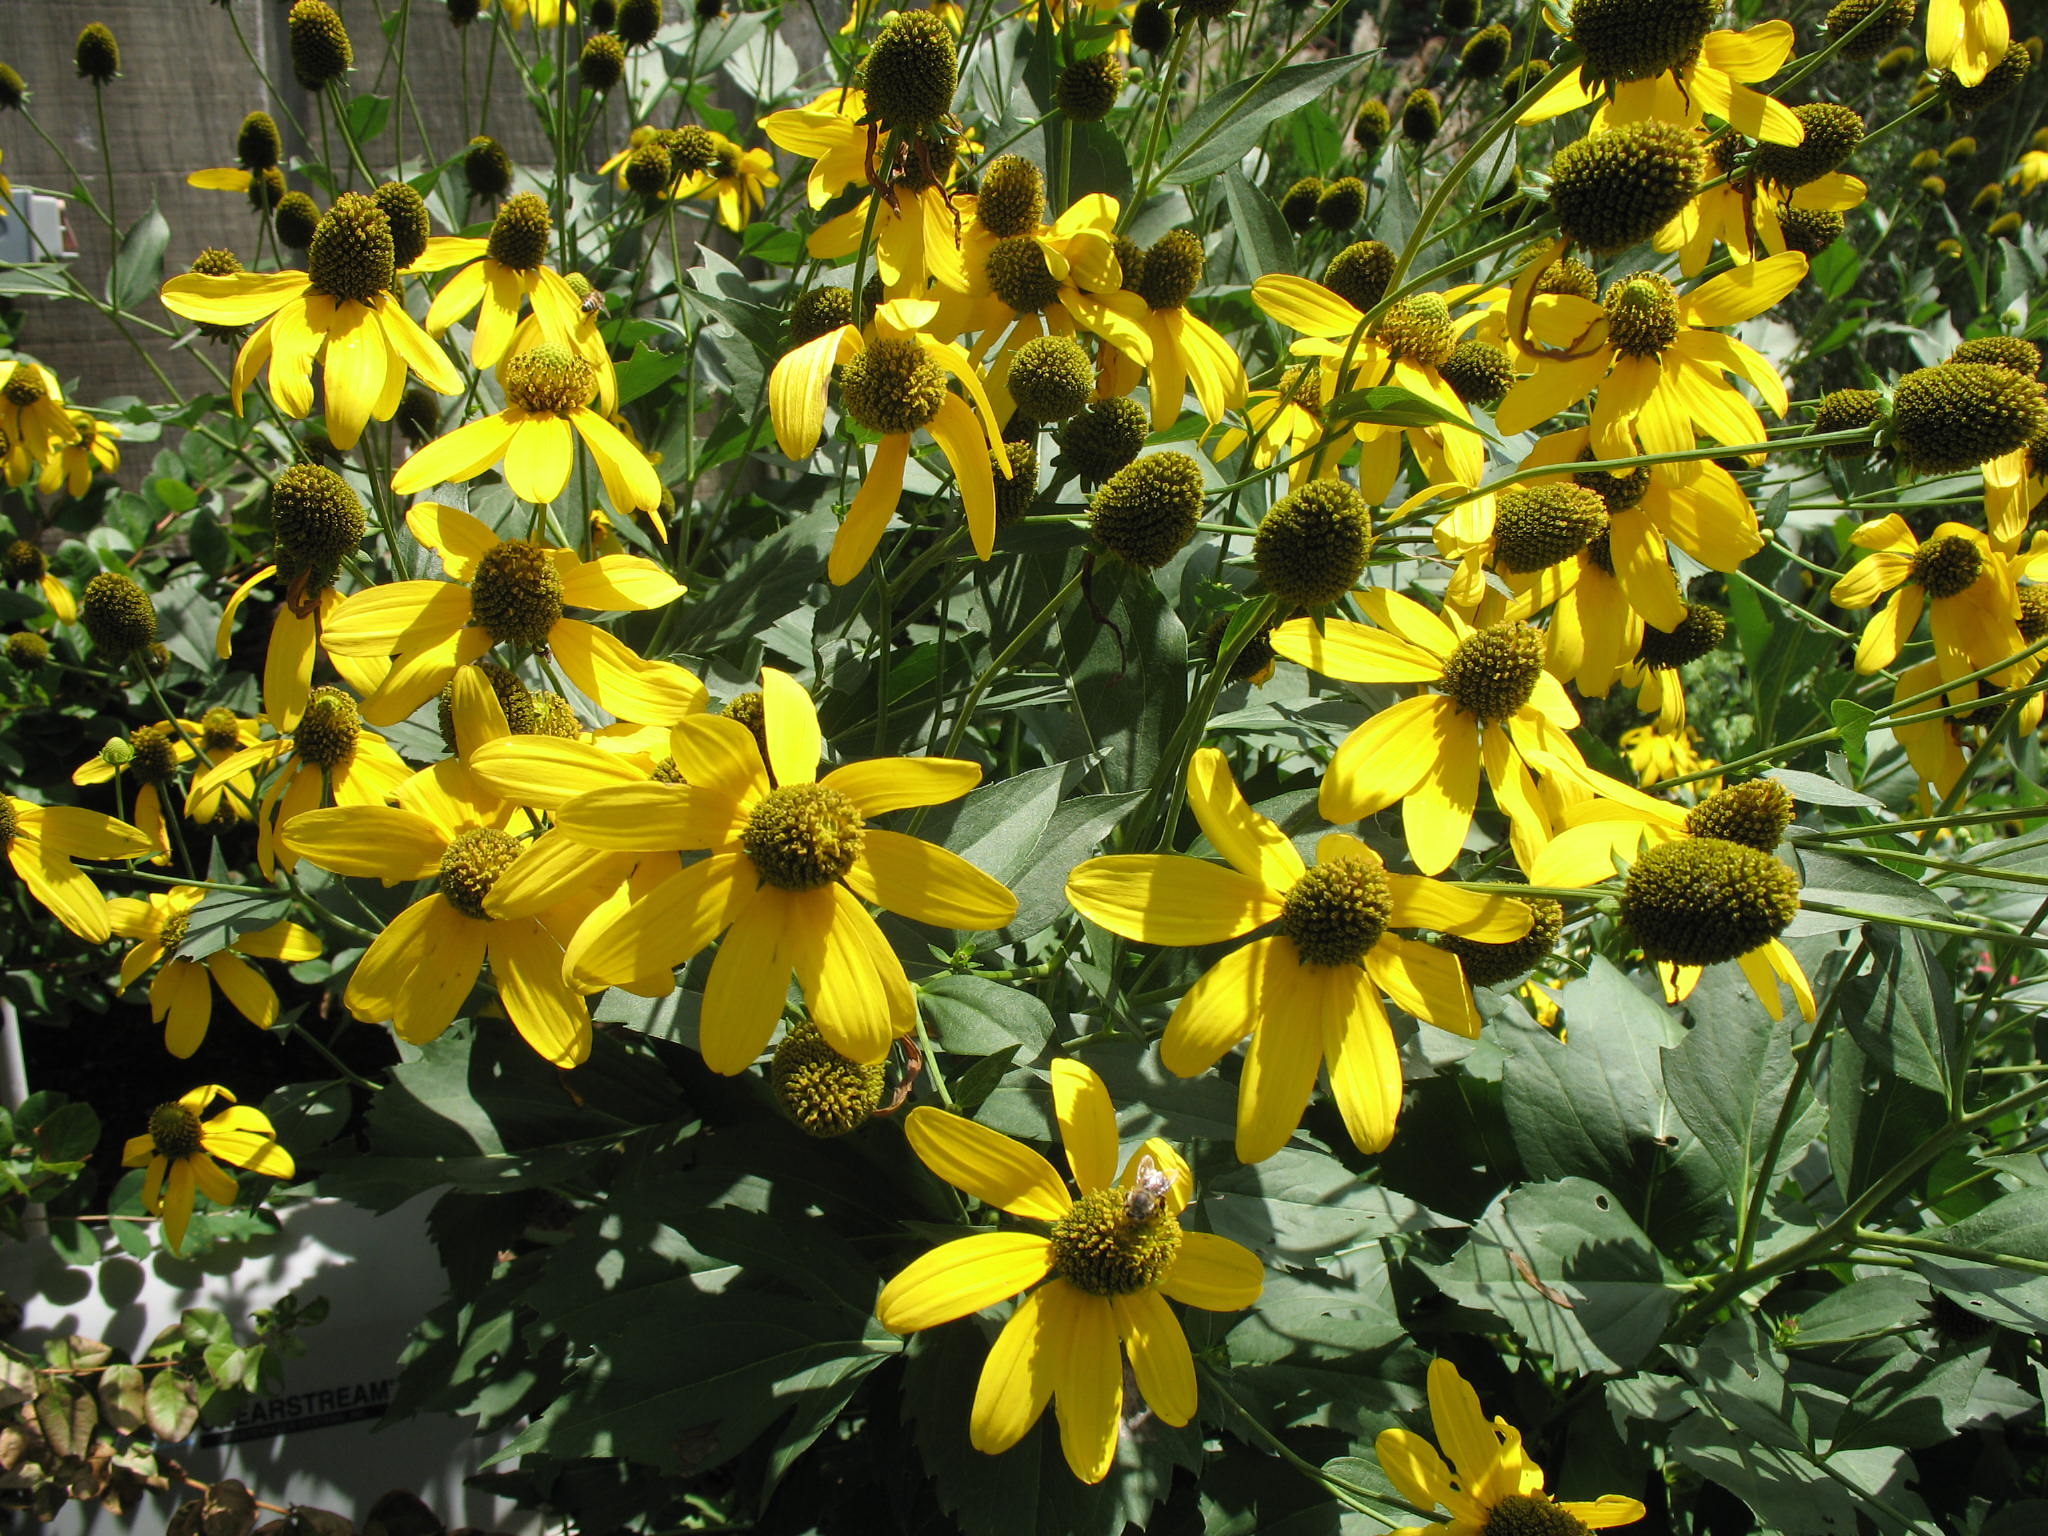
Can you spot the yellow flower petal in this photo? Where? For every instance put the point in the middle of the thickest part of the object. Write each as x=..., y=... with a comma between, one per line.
x=1610, y=1509
x=1160, y=1357
x=1355, y=653
x=1087, y=1377
x=1364, y=1063
x=1427, y=981
x=1252, y=844
x=1414, y=1467
x=1305, y=306
x=714, y=752
x=1424, y=903
x=670, y=923
x=461, y=455
x=1743, y=293
x=243, y=985
x=620, y=582
x=1280, y=1067
x=996, y=1169
x=620, y=679
x=1087, y=1121
x=881, y=488
x=1016, y=1381
x=1468, y=1440
x=1214, y=1273
x=181, y=999
x=546, y=772
x=749, y=982
x=526, y=962
x=961, y=1277
x=1169, y=898
x=384, y=841
x=886, y=784
x=629, y=478
x=929, y=884
x=1220, y=1009
x=1386, y=757
x=795, y=743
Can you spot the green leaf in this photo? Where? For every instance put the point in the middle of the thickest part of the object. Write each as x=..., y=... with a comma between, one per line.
x=1028, y=1490
x=1853, y=720
x=1563, y=1266
x=1390, y=405
x=647, y=370
x=1298, y=1206
x=1863, y=1309
x=1900, y=1006
x=1910, y=1401
x=696, y=1383
x=367, y=116
x=1128, y=662
x=1727, y=1079
x=1263, y=238
x=225, y=915
x=138, y=269
x=1876, y=1119
x=974, y=1016
x=1219, y=132
x=123, y=1392
x=2014, y=1224
x=171, y=1405
x=764, y=584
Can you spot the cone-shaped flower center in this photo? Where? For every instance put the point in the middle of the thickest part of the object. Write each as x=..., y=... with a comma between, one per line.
x=24, y=386
x=329, y=730
x=174, y=1129
x=1531, y=1514
x=351, y=255
x=1755, y=814
x=893, y=386
x=219, y=731
x=1494, y=672
x=1100, y=1247
x=1947, y=566
x=1642, y=315
x=802, y=836
x=516, y=594
x=471, y=866
x=1337, y=911
x=548, y=378
x=1419, y=327
x=155, y=760
x=821, y=1090
x=519, y=234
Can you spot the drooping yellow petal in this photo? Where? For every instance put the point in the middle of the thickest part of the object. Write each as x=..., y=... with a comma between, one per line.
x=1364, y=1063
x=1169, y=898
x=526, y=962
x=1220, y=1009
x=886, y=784
x=1015, y=1383
x=996, y=1169
x=243, y=985
x=749, y=982
x=620, y=582
x=1743, y=293
x=629, y=476
x=1160, y=1357
x=1214, y=1273
x=621, y=680
x=961, y=1277
x=795, y=742
x=1252, y=844
x=960, y=438
x=929, y=884
x=539, y=458
x=1087, y=1122
x=1280, y=1067
x=1427, y=981
x=382, y=841
x=1087, y=1377
x=881, y=488
x=667, y=925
